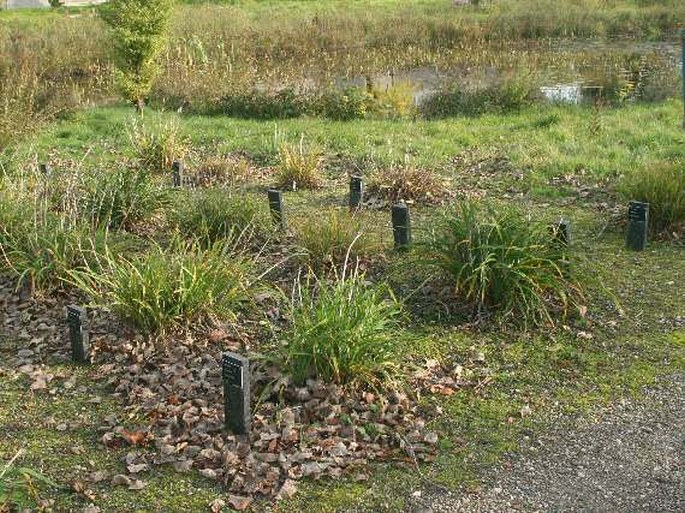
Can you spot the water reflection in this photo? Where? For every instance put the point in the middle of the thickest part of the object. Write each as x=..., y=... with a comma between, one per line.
x=571, y=73
x=563, y=93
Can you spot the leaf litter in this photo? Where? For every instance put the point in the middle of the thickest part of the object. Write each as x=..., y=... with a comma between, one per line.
x=175, y=391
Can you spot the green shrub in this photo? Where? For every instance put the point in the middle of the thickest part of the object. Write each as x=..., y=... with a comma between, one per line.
x=396, y=101
x=663, y=187
x=501, y=262
x=139, y=31
x=344, y=332
x=332, y=237
x=498, y=98
x=156, y=146
x=255, y=104
x=337, y=104
x=350, y=103
x=168, y=288
x=121, y=198
x=298, y=167
x=217, y=215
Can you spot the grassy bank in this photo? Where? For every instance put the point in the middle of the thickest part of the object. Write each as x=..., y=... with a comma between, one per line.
x=542, y=142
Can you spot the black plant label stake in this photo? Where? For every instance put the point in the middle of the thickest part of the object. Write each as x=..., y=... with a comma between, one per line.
x=45, y=170
x=276, y=207
x=638, y=219
x=401, y=226
x=356, y=191
x=236, y=377
x=78, y=333
x=561, y=232
x=177, y=169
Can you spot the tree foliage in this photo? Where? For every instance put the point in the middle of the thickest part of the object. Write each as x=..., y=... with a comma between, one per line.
x=139, y=30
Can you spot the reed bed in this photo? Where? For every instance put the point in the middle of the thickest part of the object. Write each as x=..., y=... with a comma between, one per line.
x=54, y=63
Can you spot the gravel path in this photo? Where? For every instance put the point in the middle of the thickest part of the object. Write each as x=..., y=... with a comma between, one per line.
x=630, y=459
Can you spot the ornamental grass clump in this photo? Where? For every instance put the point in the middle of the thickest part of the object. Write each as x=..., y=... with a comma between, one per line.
x=230, y=171
x=121, y=198
x=409, y=183
x=39, y=248
x=332, y=237
x=167, y=288
x=218, y=215
x=156, y=146
x=502, y=263
x=298, y=167
x=663, y=187
x=343, y=332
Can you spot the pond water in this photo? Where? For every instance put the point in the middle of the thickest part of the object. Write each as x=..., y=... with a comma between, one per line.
x=569, y=73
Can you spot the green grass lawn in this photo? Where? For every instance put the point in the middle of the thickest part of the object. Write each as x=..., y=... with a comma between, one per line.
x=546, y=141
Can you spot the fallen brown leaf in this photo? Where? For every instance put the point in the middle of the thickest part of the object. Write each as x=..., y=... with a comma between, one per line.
x=136, y=469
x=96, y=477
x=135, y=438
x=121, y=480
x=137, y=484
x=239, y=503
x=217, y=505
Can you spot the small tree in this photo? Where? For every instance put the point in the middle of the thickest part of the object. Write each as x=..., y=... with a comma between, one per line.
x=139, y=29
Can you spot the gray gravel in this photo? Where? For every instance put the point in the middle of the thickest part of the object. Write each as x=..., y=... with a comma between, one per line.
x=628, y=458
